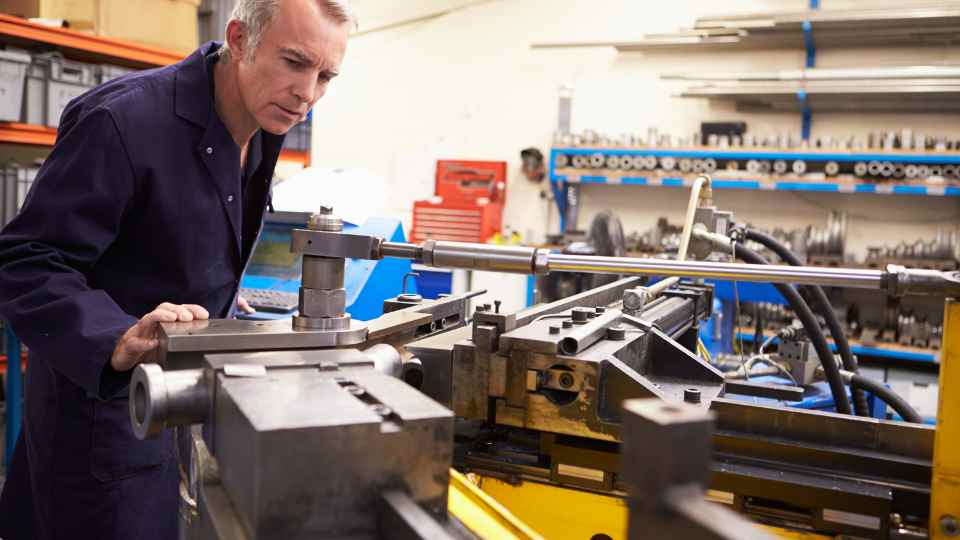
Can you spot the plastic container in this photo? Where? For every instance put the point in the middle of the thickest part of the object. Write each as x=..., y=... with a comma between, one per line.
x=8, y=193
x=13, y=73
x=51, y=83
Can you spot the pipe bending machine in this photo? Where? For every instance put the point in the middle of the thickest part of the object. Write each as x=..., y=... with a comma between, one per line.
x=590, y=417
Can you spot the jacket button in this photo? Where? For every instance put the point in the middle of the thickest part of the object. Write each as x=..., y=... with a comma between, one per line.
x=229, y=198
x=209, y=150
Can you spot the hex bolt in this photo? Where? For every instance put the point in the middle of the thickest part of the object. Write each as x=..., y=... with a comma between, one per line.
x=568, y=324
x=496, y=304
x=554, y=329
x=326, y=209
x=579, y=315
x=481, y=309
x=566, y=380
x=487, y=307
x=691, y=395
x=949, y=525
x=600, y=309
x=616, y=333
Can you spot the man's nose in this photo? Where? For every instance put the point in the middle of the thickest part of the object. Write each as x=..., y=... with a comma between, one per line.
x=305, y=89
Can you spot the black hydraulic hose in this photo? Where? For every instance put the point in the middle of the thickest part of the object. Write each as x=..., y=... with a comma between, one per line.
x=890, y=397
x=820, y=304
x=810, y=324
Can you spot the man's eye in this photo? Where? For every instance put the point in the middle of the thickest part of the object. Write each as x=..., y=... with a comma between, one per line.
x=293, y=63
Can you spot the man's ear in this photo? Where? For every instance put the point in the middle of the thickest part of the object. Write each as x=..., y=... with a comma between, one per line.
x=237, y=38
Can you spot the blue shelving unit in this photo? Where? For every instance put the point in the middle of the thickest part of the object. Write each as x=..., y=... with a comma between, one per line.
x=563, y=183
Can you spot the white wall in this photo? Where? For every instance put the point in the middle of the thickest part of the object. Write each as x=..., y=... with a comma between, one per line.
x=467, y=85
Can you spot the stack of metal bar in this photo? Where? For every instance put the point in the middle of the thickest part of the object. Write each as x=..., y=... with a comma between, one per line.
x=934, y=23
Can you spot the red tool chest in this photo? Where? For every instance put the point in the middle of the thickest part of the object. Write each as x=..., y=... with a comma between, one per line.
x=468, y=202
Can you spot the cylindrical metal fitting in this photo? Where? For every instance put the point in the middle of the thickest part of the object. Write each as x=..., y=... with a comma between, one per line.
x=412, y=372
x=324, y=220
x=401, y=250
x=485, y=257
x=161, y=399
x=323, y=272
x=386, y=359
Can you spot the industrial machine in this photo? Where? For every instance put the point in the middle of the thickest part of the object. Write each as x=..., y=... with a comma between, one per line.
x=589, y=417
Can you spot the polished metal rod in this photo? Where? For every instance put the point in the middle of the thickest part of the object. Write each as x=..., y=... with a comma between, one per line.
x=831, y=277
x=400, y=250
x=528, y=260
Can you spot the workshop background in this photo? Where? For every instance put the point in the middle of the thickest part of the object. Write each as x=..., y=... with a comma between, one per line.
x=443, y=107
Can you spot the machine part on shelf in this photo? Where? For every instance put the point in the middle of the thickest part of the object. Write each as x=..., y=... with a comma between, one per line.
x=799, y=166
x=860, y=169
x=731, y=165
x=753, y=166
x=668, y=446
x=597, y=161
x=685, y=165
x=668, y=163
x=709, y=165
x=832, y=168
x=613, y=161
x=779, y=167
x=765, y=167
x=561, y=161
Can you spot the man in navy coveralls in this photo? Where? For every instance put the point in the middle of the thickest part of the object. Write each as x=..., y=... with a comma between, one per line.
x=146, y=211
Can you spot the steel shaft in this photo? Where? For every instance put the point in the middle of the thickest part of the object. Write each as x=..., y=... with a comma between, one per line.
x=831, y=277
x=528, y=260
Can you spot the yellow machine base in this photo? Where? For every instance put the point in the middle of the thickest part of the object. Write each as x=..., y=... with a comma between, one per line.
x=557, y=512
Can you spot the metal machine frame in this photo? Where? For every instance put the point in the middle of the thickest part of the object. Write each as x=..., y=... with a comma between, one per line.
x=539, y=395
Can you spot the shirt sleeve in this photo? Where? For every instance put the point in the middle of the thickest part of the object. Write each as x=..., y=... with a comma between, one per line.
x=69, y=219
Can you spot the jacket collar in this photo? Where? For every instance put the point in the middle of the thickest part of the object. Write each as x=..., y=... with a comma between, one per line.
x=193, y=99
x=193, y=83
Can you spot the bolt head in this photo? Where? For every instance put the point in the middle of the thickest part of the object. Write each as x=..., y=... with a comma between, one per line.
x=949, y=525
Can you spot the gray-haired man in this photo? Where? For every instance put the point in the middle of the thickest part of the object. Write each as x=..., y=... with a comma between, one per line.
x=146, y=211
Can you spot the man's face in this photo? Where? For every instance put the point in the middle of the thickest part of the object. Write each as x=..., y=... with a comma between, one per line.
x=299, y=54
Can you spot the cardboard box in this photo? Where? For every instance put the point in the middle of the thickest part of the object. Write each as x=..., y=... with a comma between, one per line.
x=169, y=24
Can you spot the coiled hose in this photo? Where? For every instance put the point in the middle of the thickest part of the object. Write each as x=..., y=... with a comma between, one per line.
x=820, y=304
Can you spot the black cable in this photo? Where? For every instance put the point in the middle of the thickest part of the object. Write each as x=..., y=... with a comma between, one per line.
x=890, y=397
x=810, y=324
x=820, y=304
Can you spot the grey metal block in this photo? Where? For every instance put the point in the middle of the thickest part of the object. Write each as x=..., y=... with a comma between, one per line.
x=306, y=455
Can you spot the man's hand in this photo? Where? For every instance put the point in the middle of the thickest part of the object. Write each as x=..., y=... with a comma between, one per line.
x=141, y=338
x=245, y=306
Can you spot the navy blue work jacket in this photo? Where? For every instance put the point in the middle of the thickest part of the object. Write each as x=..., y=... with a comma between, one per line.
x=140, y=202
